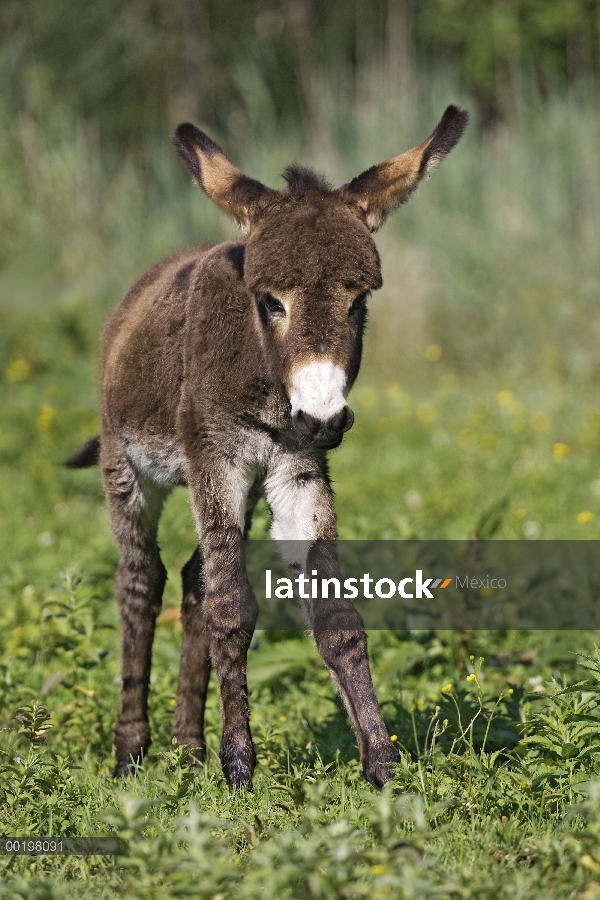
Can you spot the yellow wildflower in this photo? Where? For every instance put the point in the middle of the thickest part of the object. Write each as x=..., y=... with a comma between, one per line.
x=433, y=352
x=505, y=398
x=46, y=418
x=426, y=413
x=18, y=369
x=447, y=687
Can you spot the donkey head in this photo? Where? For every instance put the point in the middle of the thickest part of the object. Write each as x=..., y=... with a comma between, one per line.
x=310, y=264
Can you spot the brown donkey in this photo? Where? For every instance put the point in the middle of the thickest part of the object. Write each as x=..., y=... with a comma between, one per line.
x=226, y=368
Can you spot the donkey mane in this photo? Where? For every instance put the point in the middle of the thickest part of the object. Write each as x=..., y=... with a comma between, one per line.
x=301, y=180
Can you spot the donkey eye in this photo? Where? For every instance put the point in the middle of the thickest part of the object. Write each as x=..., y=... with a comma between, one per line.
x=273, y=306
x=357, y=307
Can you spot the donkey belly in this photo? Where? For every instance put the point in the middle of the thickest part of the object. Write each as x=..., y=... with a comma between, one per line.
x=157, y=458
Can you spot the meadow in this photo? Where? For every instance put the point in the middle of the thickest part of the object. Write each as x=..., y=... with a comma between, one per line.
x=477, y=415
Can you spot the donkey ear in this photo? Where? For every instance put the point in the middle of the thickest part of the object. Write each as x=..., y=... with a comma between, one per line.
x=213, y=171
x=375, y=194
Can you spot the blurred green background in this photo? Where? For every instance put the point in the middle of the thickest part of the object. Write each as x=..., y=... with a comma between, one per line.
x=477, y=407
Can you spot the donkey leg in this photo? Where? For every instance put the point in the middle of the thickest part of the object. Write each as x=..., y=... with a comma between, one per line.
x=194, y=674
x=134, y=509
x=219, y=505
x=345, y=655
x=227, y=592
x=302, y=505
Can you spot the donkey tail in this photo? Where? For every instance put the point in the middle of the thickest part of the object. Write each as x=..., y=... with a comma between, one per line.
x=87, y=455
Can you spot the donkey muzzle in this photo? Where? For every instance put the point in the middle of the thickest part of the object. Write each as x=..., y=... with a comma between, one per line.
x=326, y=434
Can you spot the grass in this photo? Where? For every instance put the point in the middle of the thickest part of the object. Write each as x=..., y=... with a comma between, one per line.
x=495, y=793
x=477, y=411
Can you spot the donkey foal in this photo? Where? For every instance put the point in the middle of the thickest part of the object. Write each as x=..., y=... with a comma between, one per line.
x=227, y=368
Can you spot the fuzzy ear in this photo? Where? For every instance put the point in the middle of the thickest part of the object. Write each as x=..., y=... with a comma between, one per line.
x=375, y=194
x=240, y=196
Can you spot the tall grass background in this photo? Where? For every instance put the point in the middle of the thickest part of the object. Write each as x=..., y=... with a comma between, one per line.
x=495, y=259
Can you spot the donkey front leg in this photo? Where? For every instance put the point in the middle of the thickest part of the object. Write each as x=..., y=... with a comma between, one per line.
x=301, y=500
x=134, y=509
x=345, y=655
x=219, y=507
x=194, y=673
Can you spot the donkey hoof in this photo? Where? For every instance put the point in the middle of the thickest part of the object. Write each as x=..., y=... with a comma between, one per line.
x=246, y=786
x=238, y=775
x=378, y=770
x=125, y=768
x=238, y=765
x=379, y=775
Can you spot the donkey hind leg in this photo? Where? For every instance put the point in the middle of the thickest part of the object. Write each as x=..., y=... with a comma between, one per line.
x=303, y=515
x=135, y=507
x=194, y=674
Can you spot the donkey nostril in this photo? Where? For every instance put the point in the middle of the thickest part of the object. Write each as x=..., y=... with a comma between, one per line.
x=343, y=421
x=304, y=423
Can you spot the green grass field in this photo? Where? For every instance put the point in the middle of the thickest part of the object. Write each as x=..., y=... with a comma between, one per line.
x=477, y=412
